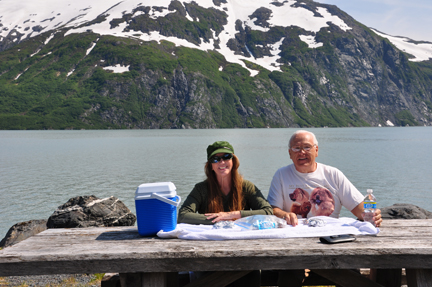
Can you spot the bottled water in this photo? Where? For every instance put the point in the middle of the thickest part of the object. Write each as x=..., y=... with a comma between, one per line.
x=369, y=205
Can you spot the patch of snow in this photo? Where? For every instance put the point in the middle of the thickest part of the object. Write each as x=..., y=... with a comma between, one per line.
x=138, y=13
x=310, y=40
x=333, y=19
x=35, y=53
x=92, y=46
x=49, y=38
x=421, y=52
x=389, y=123
x=253, y=73
x=70, y=73
x=118, y=68
x=286, y=15
x=49, y=53
x=189, y=17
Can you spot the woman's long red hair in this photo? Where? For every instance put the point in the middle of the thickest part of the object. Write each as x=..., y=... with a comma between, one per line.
x=215, y=194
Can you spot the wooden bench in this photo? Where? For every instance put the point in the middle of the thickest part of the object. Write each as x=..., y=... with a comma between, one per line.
x=150, y=261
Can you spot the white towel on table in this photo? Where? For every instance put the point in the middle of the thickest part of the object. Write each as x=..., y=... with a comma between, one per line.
x=333, y=226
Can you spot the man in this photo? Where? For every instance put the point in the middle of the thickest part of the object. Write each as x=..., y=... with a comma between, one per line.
x=307, y=188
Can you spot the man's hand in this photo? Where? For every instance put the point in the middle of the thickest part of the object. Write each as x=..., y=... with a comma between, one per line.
x=290, y=217
x=377, y=218
x=358, y=211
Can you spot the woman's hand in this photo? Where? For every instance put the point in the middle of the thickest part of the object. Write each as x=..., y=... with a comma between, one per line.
x=223, y=216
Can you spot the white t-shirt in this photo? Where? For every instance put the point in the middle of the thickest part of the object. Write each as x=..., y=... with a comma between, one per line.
x=319, y=193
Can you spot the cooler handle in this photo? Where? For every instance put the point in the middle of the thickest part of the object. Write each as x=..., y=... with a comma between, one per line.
x=166, y=200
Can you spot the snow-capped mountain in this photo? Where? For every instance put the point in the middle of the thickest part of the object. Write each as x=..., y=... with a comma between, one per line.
x=29, y=18
x=324, y=54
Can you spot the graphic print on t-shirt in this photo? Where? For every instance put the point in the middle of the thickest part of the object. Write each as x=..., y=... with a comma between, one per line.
x=322, y=202
x=300, y=202
x=319, y=203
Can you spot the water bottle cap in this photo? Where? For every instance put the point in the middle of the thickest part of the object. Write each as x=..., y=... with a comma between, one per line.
x=369, y=191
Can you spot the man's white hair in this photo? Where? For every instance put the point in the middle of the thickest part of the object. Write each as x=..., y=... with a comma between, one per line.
x=315, y=141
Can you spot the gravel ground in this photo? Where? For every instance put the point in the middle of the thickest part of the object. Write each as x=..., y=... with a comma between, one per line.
x=81, y=280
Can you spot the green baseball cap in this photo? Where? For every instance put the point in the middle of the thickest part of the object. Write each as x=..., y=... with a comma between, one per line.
x=219, y=147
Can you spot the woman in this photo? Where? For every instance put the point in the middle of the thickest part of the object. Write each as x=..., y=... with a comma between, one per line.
x=224, y=195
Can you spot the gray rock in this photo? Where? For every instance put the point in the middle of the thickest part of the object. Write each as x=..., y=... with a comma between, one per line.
x=405, y=211
x=23, y=230
x=91, y=211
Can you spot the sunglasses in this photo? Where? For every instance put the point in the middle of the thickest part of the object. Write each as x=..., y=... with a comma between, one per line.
x=225, y=157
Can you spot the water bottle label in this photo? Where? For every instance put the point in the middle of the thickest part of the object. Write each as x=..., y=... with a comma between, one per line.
x=369, y=205
x=264, y=225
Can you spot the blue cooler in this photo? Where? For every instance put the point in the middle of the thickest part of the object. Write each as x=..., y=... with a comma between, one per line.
x=156, y=207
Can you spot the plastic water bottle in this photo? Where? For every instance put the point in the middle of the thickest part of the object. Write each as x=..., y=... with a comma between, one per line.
x=369, y=205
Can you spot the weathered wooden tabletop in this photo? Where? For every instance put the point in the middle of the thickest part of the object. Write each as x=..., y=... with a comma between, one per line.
x=400, y=244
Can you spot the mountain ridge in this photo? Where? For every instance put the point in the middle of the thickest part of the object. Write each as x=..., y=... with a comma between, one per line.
x=206, y=65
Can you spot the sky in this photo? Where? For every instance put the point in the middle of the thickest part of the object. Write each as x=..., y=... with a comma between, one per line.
x=408, y=18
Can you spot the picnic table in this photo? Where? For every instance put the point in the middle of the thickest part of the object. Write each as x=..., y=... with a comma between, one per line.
x=149, y=261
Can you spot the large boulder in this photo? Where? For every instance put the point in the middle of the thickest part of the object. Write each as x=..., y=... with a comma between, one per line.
x=405, y=211
x=90, y=211
x=23, y=230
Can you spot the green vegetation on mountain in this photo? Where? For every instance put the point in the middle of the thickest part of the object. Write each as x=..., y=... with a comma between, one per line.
x=354, y=79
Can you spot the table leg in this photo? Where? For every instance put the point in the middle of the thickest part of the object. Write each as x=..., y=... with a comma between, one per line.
x=419, y=277
x=386, y=277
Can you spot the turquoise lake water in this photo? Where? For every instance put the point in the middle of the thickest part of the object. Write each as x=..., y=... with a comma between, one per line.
x=40, y=170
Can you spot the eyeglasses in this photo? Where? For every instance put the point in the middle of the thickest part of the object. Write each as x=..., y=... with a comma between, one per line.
x=305, y=148
x=225, y=157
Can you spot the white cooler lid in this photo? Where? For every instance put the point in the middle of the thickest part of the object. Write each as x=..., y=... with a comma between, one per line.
x=145, y=190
